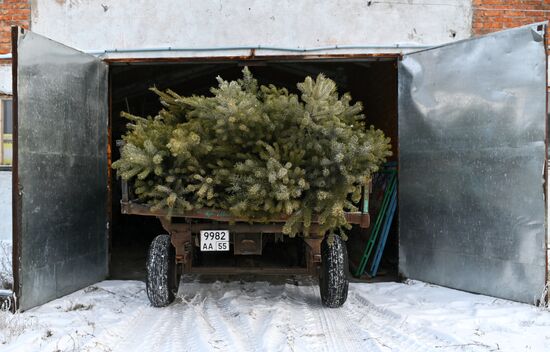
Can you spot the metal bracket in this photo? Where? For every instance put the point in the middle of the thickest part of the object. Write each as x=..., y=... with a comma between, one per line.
x=313, y=252
x=538, y=32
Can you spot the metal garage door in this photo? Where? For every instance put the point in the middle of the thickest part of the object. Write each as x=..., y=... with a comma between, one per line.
x=60, y=169
x=472, y=131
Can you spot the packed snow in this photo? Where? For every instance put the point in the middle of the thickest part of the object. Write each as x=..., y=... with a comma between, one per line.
x=271, y=316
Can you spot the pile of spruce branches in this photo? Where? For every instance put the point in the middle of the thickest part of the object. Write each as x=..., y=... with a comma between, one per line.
x=256, y=151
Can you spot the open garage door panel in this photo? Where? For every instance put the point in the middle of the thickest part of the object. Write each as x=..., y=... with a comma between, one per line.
x=472, y=131
x=60, y=169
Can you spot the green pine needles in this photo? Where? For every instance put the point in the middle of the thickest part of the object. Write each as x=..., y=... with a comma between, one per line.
x=256, y=151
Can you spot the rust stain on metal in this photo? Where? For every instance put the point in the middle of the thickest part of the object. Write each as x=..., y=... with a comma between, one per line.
x=247, y=270
x=247, y=243
x=254, y=57
x=362, y=219
x=16, y=198
x=247, y=240
x=257, y=228
x=109, y=170
x=545, y=176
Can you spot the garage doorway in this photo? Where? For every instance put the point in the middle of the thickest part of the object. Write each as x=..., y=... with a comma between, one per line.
x=373, y=81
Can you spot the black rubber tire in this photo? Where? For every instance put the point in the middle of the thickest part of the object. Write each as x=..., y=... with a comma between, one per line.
x=333, y=276
x=161, y=265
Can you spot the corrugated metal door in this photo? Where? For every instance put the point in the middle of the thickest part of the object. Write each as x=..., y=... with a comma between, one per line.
x=60, y=169
x=472, y=131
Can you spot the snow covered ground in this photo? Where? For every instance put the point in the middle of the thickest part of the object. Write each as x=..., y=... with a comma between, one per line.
x=5, y=206
x=263, y=316
x=5, y=230
x=6, y=278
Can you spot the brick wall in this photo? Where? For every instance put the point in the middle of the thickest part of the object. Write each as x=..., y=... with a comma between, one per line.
x=494, y=15
x=12, y=13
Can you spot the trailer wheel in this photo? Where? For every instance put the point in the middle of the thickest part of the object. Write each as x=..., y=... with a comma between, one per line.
x=333, y=276
x=161, y=266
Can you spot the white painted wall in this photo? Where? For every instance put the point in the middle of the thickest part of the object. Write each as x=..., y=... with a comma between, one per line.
x=92, y=25
x=106, y=24
x=5, y=79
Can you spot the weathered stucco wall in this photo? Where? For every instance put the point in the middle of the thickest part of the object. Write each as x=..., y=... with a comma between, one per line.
x=107, y=24
x=5, y=78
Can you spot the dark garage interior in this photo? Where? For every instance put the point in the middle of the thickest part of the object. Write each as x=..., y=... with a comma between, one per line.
x=372, y=81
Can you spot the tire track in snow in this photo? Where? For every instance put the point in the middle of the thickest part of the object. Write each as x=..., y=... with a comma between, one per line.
x=261, y=316
x=113, y=336
x=268, y=325
x=158, y=329
x=383, y=333
x=225, y=334
x=195, y=332
x=277, y=329
x=234, y=317
x=158, y=336
x=149, y=325
x=396, y=329
x=345, y=335
x=222, y=329
x=294, y=323
x=175, y=340
x=335, y=327
x=319, y=318
x=315, y=335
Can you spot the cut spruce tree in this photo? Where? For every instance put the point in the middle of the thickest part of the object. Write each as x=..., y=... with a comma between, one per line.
x=255, y=151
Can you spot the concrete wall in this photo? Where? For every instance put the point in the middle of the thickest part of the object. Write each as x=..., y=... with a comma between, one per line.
x=97, y=25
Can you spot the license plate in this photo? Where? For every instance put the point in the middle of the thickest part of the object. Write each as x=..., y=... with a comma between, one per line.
x=214, y=240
